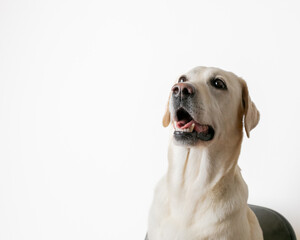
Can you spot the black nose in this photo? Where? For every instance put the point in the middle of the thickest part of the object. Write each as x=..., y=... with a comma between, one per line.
x=183, y=90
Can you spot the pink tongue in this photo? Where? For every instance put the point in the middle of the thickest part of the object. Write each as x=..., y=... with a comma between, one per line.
x=198, y=127
x=183, y=124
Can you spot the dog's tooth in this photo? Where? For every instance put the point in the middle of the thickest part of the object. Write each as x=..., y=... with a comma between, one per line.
x=192, y=127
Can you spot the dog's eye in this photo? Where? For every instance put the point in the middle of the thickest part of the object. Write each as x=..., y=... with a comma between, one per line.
x=182, y=79
x=218, y=83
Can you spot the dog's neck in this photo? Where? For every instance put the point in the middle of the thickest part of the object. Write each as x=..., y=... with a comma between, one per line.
x=198, y=176
x=201, y=168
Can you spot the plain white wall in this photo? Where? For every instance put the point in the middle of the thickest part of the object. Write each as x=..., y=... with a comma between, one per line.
x=83, y=86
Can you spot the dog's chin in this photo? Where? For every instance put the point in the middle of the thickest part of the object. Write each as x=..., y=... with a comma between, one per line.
x=193, y=138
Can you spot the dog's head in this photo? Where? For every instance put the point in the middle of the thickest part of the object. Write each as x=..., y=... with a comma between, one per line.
x=209, y=104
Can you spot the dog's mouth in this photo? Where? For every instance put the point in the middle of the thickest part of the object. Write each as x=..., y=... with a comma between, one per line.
x=188, y=130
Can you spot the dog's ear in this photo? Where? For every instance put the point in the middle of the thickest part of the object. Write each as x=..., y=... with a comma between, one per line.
x=251, y=114
x=166, y=119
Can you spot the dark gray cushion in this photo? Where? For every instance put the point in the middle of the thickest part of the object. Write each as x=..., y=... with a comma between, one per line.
x=273, y=225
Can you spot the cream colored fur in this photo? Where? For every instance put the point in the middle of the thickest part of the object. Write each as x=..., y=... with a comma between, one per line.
x=203, y=195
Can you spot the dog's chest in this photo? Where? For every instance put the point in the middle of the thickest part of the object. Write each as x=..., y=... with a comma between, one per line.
x=180, y=215
x=183, y=226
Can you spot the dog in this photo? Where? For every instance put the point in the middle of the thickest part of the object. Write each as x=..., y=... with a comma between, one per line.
x=203, y=195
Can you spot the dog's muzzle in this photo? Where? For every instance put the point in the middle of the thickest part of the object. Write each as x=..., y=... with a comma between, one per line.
x=187, y=130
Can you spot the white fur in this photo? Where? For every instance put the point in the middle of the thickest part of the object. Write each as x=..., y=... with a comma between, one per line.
x=203, y=195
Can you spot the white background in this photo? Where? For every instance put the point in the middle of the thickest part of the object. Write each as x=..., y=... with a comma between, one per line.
x=83, y=87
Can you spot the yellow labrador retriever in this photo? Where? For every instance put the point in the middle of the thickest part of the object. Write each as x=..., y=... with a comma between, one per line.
x=203, y=195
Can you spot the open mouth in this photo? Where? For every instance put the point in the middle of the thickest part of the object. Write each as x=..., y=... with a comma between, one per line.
x=188, y=130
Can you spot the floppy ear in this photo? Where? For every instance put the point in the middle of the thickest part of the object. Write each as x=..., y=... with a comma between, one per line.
x=166, y=119
x=251, y=114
